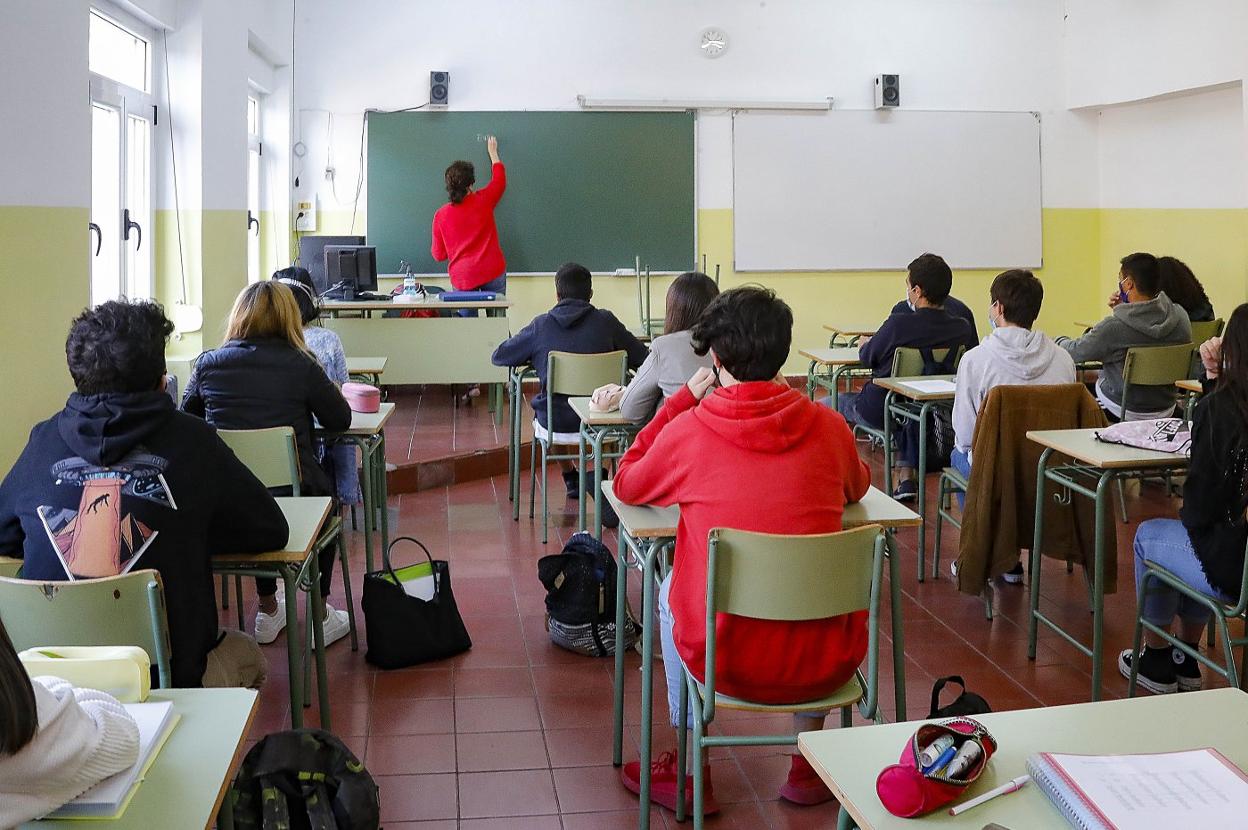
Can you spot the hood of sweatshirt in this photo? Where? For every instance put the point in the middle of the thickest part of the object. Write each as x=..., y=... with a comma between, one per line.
x=761, y=416
x=1156, y=318
x=101, y=429
x=1026, y=352
x=570, y=313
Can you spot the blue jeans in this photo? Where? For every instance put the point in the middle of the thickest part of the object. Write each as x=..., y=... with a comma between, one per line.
x=906, y=434
x=1165, y=542
x=498, y=285
x=961, y=462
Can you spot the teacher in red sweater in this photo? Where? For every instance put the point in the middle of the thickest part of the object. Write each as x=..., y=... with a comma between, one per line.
x=737, y=447
x=464, y=231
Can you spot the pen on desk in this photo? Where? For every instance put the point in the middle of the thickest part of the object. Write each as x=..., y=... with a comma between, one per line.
x=1007, y=787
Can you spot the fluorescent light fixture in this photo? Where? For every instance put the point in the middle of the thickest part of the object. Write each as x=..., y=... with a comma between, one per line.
x=588, y=103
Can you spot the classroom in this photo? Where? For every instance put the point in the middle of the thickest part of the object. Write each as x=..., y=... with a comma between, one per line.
x=904, y=342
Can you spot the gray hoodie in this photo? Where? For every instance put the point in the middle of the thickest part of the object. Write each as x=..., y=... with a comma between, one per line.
x=1155, y=322
x=1008, y=356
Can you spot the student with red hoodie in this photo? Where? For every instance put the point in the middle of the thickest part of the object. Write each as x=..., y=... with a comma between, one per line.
x=740, y=422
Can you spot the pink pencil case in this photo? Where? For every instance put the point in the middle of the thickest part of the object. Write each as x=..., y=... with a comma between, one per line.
x=362, y=397
x=906, y=791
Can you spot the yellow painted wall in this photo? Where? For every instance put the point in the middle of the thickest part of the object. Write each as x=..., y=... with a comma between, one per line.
x=46, y=284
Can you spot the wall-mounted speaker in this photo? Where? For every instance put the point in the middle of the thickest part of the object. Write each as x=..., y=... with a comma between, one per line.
x=887, y=91
x=439, y=88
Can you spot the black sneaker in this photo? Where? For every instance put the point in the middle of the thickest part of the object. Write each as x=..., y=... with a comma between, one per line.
x=572, y=483
x=1014, y=575
x=609, y=519
x=907, y=490
x=1156, y=670
x=1186, y=671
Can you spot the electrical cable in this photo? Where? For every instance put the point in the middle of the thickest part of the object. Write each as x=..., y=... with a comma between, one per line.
x=173, y=160
x=359, y=173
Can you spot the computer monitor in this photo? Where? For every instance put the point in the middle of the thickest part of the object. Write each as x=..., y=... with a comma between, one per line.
x=355, y=266
x=312, y=256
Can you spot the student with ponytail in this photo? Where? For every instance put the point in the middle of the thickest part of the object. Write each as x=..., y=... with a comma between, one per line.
x=464, y=233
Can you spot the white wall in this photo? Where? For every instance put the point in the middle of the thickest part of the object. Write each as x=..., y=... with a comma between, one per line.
x=956, y=54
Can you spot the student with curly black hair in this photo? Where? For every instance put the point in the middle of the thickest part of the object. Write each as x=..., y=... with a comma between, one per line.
x=119, y=479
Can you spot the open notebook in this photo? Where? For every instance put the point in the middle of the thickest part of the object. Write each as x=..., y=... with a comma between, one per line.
x=109, y=798
x=1196, y=788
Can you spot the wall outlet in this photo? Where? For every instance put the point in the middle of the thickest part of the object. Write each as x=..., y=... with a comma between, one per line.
x=305, y=215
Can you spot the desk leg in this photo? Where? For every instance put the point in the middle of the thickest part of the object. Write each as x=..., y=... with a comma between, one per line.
x=366, y=492
x=920, y=472
x=294, y=645
x=511, y=442
x=899, y=646
x=599, y=435
x=1037, y=543
x=316, y=628
x=621, y=597
x=516, y=425
x=580, y=478
x=381, y=493
x=647, y=665
x=888, y=444
x=810, y=380
x=1098, y=582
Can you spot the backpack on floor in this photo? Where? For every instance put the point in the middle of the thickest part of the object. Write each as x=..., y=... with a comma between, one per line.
x=304, y=779
x=966, y=703
x=580, y=598
x=940, y=438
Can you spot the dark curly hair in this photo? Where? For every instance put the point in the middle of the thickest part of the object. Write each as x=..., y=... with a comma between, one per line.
x=118, y=346
x=460, y=176
x=1181, y=285
x=750, y=329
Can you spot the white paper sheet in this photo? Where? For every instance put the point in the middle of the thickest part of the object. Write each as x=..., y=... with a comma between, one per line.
x=930, y=386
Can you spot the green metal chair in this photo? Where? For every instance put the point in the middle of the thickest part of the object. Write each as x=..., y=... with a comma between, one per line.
x=126, y=610
x=10, y=568
x=573, y=375
x=1221, y=612
x=1161, y=366
x=824, y=575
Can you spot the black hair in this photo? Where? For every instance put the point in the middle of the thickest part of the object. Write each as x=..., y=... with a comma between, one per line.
x=1181, y=285
x=1143, y=271
x=573, y=282
x=1020, y=295
x=1233, y=365
x=687, y=297
x=118, y=346
x=460, y=176
x=933, y=277
x=750, y=329
x=19, y=714
x=299, y=281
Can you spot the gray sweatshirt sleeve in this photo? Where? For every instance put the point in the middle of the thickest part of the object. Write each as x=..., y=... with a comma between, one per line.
x=1096, y=344
x=642, y=394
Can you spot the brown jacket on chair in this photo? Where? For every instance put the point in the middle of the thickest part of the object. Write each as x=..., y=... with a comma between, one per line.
x=999, y=518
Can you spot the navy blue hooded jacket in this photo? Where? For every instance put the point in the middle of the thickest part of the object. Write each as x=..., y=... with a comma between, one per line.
x=123, y=481
x=571, y=326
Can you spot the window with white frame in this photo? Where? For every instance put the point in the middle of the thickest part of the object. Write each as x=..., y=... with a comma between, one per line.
x=254, y=181
x=122, y=117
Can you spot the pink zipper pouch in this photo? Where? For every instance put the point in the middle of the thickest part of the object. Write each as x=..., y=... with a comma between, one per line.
x=362, y=397
x=907, y=791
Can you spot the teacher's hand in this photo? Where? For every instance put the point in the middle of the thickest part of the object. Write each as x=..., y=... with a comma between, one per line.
x=491, y=146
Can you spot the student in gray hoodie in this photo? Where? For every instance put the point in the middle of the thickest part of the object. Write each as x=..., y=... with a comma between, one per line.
x=1145, y=317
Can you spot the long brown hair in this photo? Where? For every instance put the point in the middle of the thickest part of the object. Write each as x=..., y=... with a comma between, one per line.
x=267, y=310
x=1233, y=364
x=19, y=715
x=687, y=297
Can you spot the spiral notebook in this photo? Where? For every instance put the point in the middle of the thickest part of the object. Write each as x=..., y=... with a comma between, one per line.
x=1193, y=788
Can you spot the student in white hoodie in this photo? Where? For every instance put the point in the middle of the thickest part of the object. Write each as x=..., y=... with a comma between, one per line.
x=1012, y=354
x=56, y=742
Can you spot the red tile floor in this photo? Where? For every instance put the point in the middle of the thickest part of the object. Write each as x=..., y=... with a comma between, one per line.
x=516, y=733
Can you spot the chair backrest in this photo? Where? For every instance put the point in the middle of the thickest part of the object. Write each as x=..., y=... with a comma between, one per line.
x=10, y=567
x=908, y=362
x=1155, y=366
x=270, y=454
x=126, y=610
x=578, y=375
x=1202, y=331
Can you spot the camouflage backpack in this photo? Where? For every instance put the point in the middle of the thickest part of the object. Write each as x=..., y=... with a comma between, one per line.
x=304, y=779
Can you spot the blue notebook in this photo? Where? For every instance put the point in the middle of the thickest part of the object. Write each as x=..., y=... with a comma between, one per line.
x=466, y=296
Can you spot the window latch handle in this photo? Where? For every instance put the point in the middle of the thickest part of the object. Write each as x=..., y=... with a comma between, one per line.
x=127, y=224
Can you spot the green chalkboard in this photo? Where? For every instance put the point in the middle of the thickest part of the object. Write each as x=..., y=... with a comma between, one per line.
x=596, y=188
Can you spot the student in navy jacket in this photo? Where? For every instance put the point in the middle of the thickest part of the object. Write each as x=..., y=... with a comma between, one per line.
x=119, y=479
x=930, y=325
x=573, y=325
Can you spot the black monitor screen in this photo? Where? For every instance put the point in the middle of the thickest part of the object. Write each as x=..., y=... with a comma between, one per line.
x=353, y=265
x=312, y=256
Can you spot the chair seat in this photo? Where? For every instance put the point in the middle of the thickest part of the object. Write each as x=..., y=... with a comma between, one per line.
x=847, y=695
x=542, y=434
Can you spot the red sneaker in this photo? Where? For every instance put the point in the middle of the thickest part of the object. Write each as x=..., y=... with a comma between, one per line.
x=804, y=785
x=663, y=783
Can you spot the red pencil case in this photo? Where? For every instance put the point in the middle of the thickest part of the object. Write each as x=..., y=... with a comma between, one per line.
x=906, y=791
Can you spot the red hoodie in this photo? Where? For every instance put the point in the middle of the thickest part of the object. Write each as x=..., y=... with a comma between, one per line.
x=466, y=235
x=759, y=457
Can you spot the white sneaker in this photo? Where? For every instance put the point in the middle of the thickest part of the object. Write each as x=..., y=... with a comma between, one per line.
x=336, y=626
x=268, y=626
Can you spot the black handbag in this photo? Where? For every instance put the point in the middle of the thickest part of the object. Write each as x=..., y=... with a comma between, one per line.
x=966, y=703
x=405, y=630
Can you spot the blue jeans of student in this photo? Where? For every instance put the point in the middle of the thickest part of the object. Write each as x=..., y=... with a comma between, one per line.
x=907, y=435
x=498, y=285
x=961, y=462
x=672, y=669
x=1165, y=542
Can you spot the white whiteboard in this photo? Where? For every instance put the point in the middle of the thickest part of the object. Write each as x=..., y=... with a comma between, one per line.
x=865, y=189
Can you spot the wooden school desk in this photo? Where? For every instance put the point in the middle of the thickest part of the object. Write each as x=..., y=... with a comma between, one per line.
x=646, y=531
x=596, y=429
x=846, y=337
x=187, y=783
x=1094, y=467
x=297, y=568
x=827, y=367
x=367, y=431
x=367, y=368
x=908, y=402
x=848, y=760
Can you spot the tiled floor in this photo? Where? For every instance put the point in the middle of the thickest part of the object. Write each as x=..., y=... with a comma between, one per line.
x=516, y=733
x=426, y=425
